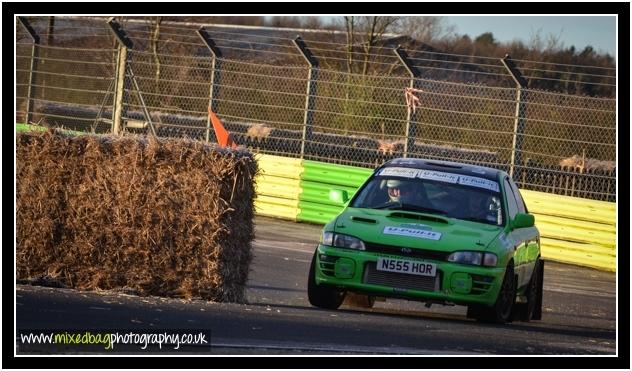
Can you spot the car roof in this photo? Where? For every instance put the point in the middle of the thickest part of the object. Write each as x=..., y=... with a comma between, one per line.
x=446, y=166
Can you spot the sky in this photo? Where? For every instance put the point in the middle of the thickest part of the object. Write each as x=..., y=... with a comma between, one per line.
x=579, y=31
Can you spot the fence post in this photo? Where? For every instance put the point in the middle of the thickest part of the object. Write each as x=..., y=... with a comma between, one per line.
x=215, y=75
x=312, y=77
x=411, y=116
x=34, y=55
x=121, y=63
x=521, y=95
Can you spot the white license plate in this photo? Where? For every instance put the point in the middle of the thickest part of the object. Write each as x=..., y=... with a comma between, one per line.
x=407, y=266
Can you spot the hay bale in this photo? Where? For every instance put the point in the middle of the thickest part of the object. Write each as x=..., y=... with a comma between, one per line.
x=166, y=217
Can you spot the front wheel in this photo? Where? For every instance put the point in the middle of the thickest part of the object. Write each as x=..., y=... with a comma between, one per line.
x=320, y=295
x=501, y=312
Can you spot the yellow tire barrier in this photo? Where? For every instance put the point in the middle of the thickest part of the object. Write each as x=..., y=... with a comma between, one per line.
x=278, y=166
x=275, y=186
x=276, y=207
x=551, y=251
x=570, y=233
x=575, y=230
x=587, y=226
x=578, y=246
x=570, y=207
x=278, y=186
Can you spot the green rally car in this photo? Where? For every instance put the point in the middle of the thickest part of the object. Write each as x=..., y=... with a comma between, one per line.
x=434, y=231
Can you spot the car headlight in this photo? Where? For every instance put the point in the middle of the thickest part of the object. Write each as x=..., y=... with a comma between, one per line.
x=489, y=259
x=341, y=240
x=473, y=258
x=327, y=238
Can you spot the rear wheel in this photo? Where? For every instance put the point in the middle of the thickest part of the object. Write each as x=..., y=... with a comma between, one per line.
x=534, y=296
x=537, y=311
x=320, y=295
x=501, y=311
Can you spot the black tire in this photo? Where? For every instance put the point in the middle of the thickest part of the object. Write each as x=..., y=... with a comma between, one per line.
x=501, y=311
x=534, y=294
x=322, y=296
x=537, y=311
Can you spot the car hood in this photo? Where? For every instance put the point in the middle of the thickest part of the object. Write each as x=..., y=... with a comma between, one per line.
x=415, y=230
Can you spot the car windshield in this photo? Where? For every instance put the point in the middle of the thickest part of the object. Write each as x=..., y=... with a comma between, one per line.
x=453, y=196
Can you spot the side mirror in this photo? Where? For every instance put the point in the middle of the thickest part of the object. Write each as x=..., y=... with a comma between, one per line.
x=339, y=196
x=523, y=221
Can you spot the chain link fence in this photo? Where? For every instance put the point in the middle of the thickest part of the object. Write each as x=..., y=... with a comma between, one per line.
x=273, y=101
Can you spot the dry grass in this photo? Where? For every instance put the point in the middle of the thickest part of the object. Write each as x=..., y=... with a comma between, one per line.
x=581, y=163
x=258, y=131
x=162, y=217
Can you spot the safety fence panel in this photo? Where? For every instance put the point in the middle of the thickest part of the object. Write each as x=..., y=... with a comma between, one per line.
x=278, y=186
x=317, y=180
x=324, y=98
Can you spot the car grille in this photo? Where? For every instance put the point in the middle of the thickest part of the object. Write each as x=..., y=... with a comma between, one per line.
x=481, y=284
x=372, y=276
x=328, y=264
x=406, y=251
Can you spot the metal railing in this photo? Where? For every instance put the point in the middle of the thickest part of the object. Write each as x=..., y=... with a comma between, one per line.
x=279, y=96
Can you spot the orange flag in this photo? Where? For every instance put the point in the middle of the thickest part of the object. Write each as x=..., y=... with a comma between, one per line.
x=224, y=138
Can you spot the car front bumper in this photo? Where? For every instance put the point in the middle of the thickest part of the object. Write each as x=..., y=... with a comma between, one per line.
x=356, y=271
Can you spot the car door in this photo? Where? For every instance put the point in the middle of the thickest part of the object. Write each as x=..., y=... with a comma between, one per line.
x=513, y=235
x=530, y=235
x=522, y=238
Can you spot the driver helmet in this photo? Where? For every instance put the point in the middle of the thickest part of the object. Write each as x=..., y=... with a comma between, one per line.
x=399, y=190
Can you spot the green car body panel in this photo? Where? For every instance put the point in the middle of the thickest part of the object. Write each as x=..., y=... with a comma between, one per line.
x=454, y=283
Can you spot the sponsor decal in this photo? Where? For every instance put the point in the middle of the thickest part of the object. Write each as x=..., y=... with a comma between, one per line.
x=399, y=171
x=439, y=176
x=410, y=232
x=467, y=180
x=479, y=182
x=416, y=226
x=405, y=162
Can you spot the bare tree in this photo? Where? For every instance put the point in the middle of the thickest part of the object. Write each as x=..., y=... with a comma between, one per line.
x=313, y=23
x=364, y=34
x=425, y=29
x=376, y=27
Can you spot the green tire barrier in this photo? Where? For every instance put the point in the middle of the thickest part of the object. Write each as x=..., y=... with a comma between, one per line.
x=27, y=127
x=339, y=175
x=317, y=179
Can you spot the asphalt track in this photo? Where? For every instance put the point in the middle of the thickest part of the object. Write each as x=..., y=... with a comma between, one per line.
x=579, y=314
